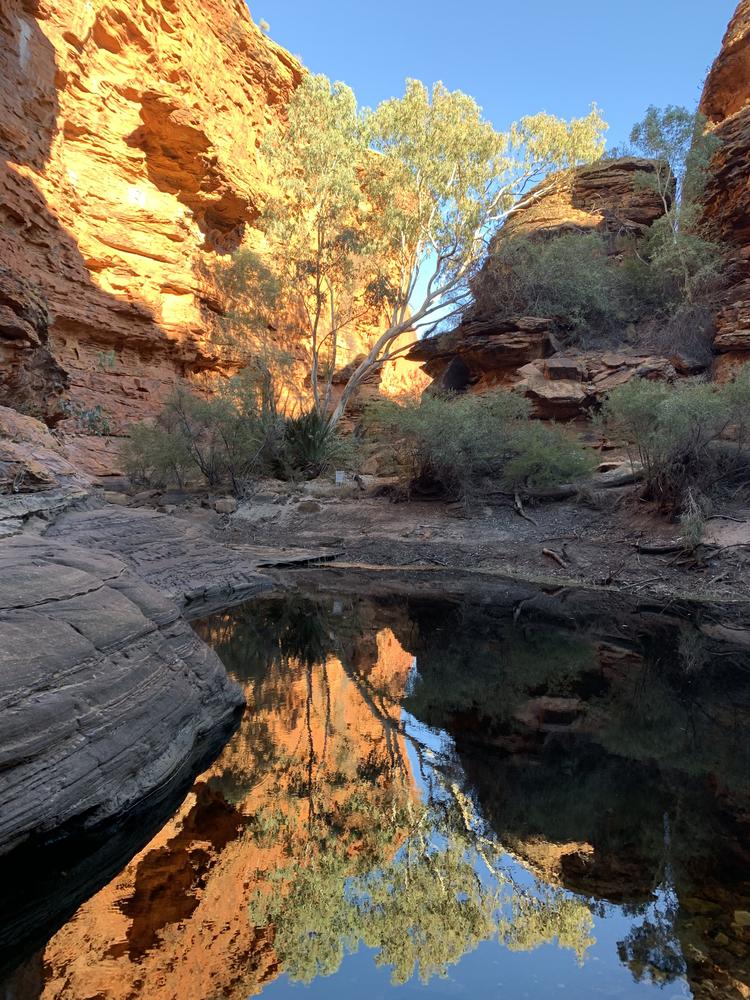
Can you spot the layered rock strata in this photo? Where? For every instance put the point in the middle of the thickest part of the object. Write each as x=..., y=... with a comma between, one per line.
x=36, y=478
x=175, y=556
x=606, y=196
x=486, y=351
x=106, y=693
x=129, y=138
x=726, y=104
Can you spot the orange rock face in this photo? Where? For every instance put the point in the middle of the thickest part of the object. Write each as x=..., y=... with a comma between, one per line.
x=129, y=136
x=129, y=160
x=603, y=196
x=175, y=924
x=726, y=104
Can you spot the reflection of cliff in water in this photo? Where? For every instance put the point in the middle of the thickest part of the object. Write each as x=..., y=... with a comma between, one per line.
x=607, y=757
x=310, y=769
x=619, y=769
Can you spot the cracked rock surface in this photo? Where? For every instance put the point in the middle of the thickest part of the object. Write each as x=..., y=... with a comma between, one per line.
x=178, y=558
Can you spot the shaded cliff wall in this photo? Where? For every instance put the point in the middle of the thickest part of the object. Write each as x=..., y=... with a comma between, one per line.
x=726, y=104
x=129, y=163
x=128, y=148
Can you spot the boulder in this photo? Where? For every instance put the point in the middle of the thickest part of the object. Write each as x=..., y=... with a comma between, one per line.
x=36, y=477
x=106, y=693
x=605, y=197
x=482, y=353
x=225, y=505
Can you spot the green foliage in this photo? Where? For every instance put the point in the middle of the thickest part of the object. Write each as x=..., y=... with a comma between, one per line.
x=231, y=438
x=106, y=360
x=92, y=420
x=673, y=431
x=684, y=265
x=375, y=204
x=311, y=446
x=572, y=277
x=545, y=456
x=156, y=454
x=247, y=294
x=456, y=442
x=678, y=140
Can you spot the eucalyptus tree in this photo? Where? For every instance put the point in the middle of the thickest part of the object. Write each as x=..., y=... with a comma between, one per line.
x=687, y=264
x=388, y=212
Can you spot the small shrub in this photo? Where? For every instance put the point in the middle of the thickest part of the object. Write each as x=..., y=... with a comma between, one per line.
x=453, y=444
x=571, y=277
x=693, y=519
x=156, y=455
x=674, y=432
x=213, y=439
x=545, y=456
x=231, y=438
x=92, y=420
x=312, y=447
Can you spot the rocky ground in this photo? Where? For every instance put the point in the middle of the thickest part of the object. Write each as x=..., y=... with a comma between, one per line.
x=607, y=538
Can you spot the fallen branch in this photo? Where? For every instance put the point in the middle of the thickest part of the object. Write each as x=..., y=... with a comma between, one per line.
x=521, y=512
x=659, y=548
x=550, y=554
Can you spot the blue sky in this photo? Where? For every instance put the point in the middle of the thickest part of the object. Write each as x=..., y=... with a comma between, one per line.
x=515, y=57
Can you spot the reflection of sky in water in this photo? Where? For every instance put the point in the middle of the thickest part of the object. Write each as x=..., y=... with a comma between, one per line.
x=532, y=747
x=491, y=970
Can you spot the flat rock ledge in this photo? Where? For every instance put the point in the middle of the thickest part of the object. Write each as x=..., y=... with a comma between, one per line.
x=178, y=558
x=106, y=694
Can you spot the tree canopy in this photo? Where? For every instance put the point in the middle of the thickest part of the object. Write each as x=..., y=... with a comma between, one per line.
x=381, y=216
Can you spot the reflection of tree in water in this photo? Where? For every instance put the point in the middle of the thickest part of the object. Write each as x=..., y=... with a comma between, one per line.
x=443, y=893
x=652, y=949
x=668, y=711
x=422, y=883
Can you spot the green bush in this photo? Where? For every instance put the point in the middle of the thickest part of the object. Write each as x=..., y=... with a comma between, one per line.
x=545, y=456
x=156, y=455
x=231, y=438
x=571, y=277
x=454, y=444
x=311, y=447
x=674, y=432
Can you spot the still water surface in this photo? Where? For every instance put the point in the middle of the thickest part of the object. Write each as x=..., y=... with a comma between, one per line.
x=443, y=799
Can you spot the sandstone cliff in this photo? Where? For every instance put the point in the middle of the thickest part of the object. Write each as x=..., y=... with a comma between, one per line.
x=603, y=196
x=128, y=150
x=488, y=350
x=726, y=104
x=129, y=163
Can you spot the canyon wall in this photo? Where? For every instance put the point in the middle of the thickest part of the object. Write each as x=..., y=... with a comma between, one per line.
x=130, y=162
x=128, y=149
x=726, y=104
